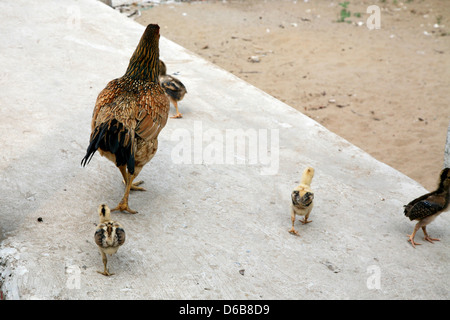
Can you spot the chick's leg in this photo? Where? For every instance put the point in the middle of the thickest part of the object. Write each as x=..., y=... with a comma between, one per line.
x=178, y=115
x=305, y=221
x=427, y=237
x=292, y=230
x=413, y=234
x=105, y=268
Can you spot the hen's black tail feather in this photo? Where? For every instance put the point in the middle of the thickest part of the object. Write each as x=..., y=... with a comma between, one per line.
x=113, y=137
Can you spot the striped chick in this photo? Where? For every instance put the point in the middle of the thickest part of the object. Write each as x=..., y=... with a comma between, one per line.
x=109, y=236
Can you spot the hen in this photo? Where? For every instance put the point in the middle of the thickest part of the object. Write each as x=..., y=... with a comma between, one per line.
x=302, y=199
x=173, y=87
x=109, y=236
x=427, y=207
x=129, y=114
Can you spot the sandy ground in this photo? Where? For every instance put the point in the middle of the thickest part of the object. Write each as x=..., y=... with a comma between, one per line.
x=383, y=90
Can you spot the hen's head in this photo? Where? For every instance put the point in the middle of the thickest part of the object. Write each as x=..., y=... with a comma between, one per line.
x=144, y=63
x=152, y=30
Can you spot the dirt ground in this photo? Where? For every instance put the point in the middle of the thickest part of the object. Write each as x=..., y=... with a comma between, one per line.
x=384, y=90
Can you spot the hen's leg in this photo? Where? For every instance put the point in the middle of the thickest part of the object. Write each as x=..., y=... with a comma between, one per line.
x=427, y=237
x=123, y=205
x=134, y=185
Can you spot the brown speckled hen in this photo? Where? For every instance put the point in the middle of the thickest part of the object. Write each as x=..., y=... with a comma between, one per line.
x=130, y=113
x=427, y=207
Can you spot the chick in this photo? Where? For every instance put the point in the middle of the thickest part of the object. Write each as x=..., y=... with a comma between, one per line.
x=427, y=207
x=302, y=199
x=174, y=88
x=109, y=236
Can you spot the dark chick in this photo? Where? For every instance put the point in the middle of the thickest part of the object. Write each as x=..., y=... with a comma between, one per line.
x=427, y=207
x=129, y=114
x=173, y=87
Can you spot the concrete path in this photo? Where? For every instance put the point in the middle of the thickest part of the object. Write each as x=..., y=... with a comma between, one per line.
x=211, y=225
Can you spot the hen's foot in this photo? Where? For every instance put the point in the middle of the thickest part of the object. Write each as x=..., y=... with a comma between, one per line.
x=134, y=185
x=123, y=206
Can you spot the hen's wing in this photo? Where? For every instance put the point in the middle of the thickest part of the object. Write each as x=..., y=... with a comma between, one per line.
x=113, y=125
x=120, y=114
x=152, y=114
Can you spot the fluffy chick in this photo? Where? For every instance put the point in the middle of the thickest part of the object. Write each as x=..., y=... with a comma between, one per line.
x=302, y=199
x=109, y=236
x=427, y=207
